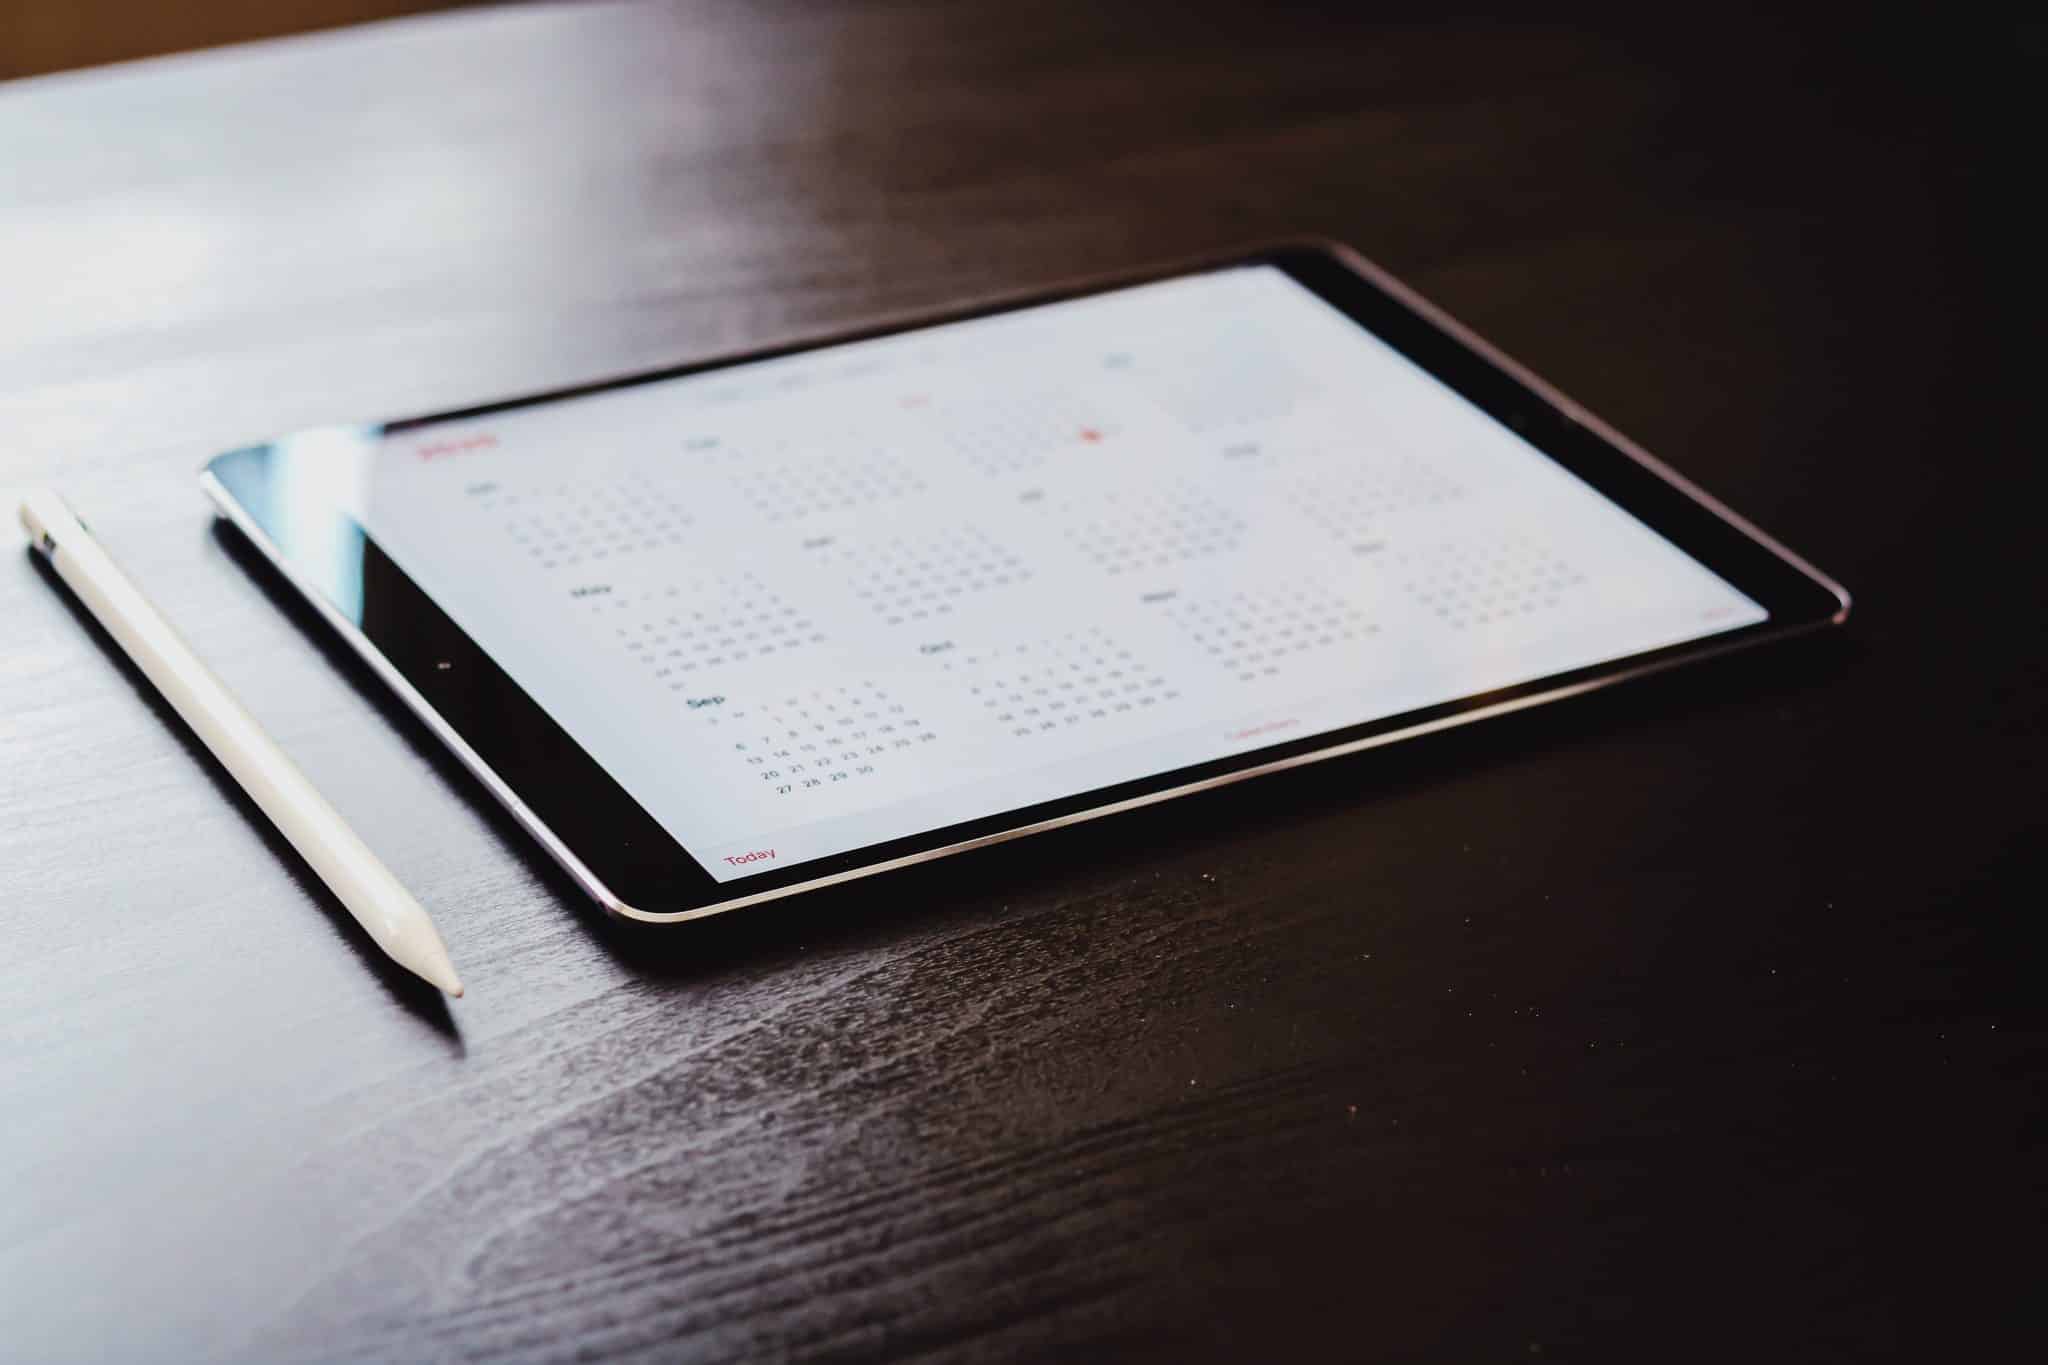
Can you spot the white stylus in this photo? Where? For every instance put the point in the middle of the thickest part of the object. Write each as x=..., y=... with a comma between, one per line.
x=362, y=883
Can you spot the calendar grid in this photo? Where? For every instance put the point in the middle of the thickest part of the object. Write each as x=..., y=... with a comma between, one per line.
x=857, y=586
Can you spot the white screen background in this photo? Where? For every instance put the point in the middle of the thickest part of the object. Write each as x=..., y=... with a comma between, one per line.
x=807, y=605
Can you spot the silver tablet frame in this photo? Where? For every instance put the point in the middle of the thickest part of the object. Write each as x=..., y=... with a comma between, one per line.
x=1621, y=671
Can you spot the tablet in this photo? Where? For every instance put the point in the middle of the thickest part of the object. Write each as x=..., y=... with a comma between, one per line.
x=730, y=631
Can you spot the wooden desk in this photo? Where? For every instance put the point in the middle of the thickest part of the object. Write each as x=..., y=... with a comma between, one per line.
x=1696, y=1021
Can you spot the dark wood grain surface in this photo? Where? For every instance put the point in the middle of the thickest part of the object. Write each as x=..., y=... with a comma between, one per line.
x=1698, y=1021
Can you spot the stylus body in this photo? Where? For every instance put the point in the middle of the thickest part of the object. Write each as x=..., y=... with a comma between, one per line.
x=385, y=909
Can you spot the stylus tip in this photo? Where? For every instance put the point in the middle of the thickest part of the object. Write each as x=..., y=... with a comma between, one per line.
x=429, y=960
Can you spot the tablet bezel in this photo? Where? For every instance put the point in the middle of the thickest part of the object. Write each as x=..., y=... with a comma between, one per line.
x=624, y=858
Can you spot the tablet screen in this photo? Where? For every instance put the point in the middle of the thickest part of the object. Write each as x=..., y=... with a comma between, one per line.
x=801, y=606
